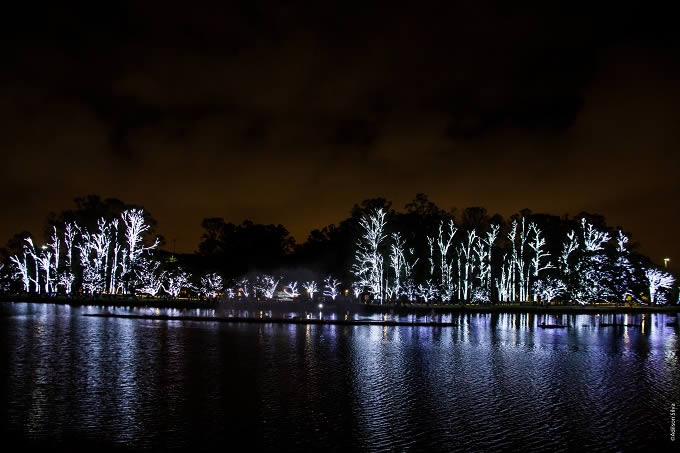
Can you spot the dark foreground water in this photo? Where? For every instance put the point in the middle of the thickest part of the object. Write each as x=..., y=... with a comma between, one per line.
x=494, y=382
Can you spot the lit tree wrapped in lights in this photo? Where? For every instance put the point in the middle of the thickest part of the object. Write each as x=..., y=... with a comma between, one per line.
x=400, y=265
x=90, y=263
x=465, y=251
x=175, y=281
x=593, y=240
x=479, y=295
x=101, y=244
x=368, y=266
x=67, y=276
x=114, y=259
x=66, y=280
x=410, y=290
x=504, y=283
x=624, y=272
x=482, y=293
x=44, y=260
x=70, y=231
x=549, y=289
x=291, y=290
x=592, y=270
x=570, y=246
x=537, y=244
x=149, y=276
x=356, y=290
x=211, y=286
x=266, y=285
x=135, y=227
x=396, y=263
x=427, y=292
x=4, y=285
x=491, y=237
x=523, y=269
x=54, y=245
x=29, y=249
x=512, y=262
x=21, y=270
x=310, y=288
x=243, y=286
x=331, y=287
x=658, y=281
x=444, y=241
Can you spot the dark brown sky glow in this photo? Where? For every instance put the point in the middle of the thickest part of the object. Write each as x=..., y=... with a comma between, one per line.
x=284, y=115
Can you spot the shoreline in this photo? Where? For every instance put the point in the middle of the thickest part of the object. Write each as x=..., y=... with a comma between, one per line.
x=342, y=306
x=272, y=320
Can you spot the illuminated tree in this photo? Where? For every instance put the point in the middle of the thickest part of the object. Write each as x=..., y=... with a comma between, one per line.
x=491, y=237
x=243, y=287
x=537, y=244
x=482, y=259
x=135, y=227
x=548, y=289
x=520, y=263
x=266, y=285
x=480, y=295
x=401, y=266
x=504, y=283
x=368, y=266
x=114, y=259
x=444, y=241
x=512, y=262
x=310, y=288
x=410, y=290
x=66, y=279
x=465, y=251
x=44, y=260
x=624, y=275
x=70, y=231
x=291, y=290
x=90, y=262
x=356, y=290
x=593, y=240
x=29, y=249
x=592, y=271
x=658, y=281
x=4, y=285
x=427, y=292
x=149, y=276
x=211, y=286
x=54, y=245
x=175, y=281
x=567, y=249
x=21, y=270
x=331, y=287
x=396, y=263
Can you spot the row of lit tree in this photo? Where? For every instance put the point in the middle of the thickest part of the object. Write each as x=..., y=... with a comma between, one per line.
x=460, y=266
x=113, y=259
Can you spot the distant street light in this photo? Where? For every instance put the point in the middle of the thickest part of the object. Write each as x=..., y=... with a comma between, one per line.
x=665, y=262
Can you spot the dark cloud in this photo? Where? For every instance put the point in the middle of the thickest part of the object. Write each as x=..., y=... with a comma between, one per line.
x=289, y=114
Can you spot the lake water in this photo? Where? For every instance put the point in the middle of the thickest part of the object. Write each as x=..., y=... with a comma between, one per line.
x=493, y=382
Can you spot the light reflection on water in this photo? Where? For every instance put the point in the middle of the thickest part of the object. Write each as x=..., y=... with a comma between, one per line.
x=494, y=381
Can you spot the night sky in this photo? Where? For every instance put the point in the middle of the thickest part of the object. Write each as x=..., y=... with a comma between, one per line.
x=288, y=114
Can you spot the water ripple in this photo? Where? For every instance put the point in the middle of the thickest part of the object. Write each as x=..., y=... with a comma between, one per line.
x=493, y=382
